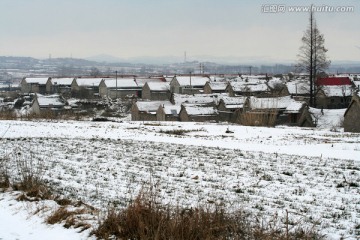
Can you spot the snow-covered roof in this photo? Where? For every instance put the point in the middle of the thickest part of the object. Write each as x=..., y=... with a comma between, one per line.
x=50, y=100
x=39, y=80
x=120, y=83
x=193, y=109
x=337, y=91
x=233, y=102
x=196, y=98
x=171, y=109
x=62, y=81
x=270, y=103
x=247, y=87
x=217, y=79
x=298, y=87
x=195, y=80
x=151, y=106
x=218, y=86
x=141, y=81
x=158, y=86
x=273, y=83
x=294, y=107
x=88, y=82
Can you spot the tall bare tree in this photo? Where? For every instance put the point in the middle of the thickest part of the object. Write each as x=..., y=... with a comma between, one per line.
x=312, y=57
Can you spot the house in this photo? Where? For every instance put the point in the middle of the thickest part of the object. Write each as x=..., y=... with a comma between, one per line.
x=215, y=87
x=198, y=113
x=59, y=85
x=51, y=102
x=297, y=114
x=85, y=87
x=333, y=96
x=352, y=115
x=34, y=85
x=271, y=111
x=208, y=99
x=167, y=112
x=230, y=107
x=333, y=92
x=146, y=110
x=277, y=87
x=333, y=81
x=119, y=88
x=156, y=91
x=247, y=89
x=299, y=89
x=188, y=84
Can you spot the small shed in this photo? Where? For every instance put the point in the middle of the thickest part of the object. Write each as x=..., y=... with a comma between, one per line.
x=34, y=85
x=58, y=85
x=119, y=88
x=230, y=107
x=198, y=113
x=215, y=87
x=352, y=115
x=146, y=110
x=50, y=102
x=156, y=91
x=333, y=96
x=168, y=112
x=188, y=84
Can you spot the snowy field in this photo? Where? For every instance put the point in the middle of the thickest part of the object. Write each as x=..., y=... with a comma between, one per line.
x=314, y=174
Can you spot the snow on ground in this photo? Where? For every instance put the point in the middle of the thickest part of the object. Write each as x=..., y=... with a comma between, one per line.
x=17, y=224
x=314, y=174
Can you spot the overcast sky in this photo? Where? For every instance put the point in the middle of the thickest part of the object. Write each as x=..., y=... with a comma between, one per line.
x=133, y=28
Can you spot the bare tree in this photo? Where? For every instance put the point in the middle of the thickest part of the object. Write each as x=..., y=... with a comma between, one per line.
x=312, y=56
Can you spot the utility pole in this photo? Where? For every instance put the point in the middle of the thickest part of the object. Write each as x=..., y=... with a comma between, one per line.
x=190, y=81
x=116, y=85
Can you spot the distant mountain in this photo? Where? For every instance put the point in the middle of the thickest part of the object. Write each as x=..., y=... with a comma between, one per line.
x=106, y=58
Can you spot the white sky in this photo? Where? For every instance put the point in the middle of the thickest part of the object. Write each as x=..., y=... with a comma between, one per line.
x=134, y=28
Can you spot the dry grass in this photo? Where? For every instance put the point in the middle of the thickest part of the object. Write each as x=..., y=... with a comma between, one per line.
x=7, y=115
x=69, y=218
x=266, y=119
x=145, y=219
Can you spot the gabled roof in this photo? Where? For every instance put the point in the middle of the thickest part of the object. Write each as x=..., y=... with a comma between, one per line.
x=39, y=80
x=233, y=102
x=196, y=98
x=248, y=87
x=61, y=81
x=158, y=86
x=298, y=87
x=294, y=107
x=354, y=100
x=195, y=80
x=141, y=81
x=217, y=86
x=88, y=82
x=273, y=83
x=151, y=106
x=199, y=110
x=120, y=83
x=332, y=81
x=171, y=109
x=270, y=103
x=50, y=100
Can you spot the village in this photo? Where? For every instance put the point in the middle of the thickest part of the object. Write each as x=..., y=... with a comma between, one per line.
x=249, y=100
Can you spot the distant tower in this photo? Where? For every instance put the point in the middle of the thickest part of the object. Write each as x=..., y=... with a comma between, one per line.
x=50, y=56
x=185, y=57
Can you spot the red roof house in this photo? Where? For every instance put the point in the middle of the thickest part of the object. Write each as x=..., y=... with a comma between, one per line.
x=333, y=81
